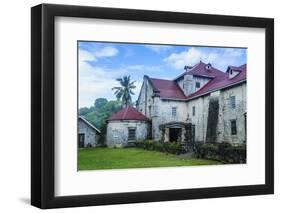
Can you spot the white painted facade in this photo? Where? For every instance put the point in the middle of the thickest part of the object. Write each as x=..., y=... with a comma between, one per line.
x=88, y=135
x=160, y=110
x=118, y=132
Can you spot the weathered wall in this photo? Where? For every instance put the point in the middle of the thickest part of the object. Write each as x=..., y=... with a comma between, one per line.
x=224, y=116
x=163, y=114
x=201, y=105
x=227, y=114
x=188, y=83
x=146, y=101
x=91, y=136
x=161, y=111
x=117, y=132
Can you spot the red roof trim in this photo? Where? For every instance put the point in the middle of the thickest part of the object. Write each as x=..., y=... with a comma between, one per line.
x=128, y=113
x=170, y=90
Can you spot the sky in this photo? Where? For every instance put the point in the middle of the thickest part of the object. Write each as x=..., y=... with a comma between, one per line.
x=100, y=63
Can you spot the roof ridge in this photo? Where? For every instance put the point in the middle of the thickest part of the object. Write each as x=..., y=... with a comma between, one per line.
x=125, y=113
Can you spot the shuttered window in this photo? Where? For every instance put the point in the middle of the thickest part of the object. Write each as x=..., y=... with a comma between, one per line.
x=233, y=127
x=174, y=111
x=132, y=134
x=232, y=102
x=193, y=111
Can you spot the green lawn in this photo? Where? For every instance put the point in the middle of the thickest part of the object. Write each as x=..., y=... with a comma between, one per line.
x=121, y=158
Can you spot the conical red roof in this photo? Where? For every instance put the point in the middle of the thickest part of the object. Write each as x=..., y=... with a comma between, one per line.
x=128, y=113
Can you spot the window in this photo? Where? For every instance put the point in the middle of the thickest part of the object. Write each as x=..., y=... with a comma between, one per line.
x=197, y=84
x=132, y=134
x=149, y=111
x=232, y=102
x=174, y=111
x=193, y=111
x=233, y=127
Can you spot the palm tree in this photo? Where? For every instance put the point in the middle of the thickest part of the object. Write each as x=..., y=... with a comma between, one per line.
x=124, y=91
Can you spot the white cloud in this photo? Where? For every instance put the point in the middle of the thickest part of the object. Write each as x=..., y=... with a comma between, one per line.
x=94, y=55
x=158, y=48
x=219, y=59
x=86, y=56
x=141, y=67
x=106, y=52
x=96, y=82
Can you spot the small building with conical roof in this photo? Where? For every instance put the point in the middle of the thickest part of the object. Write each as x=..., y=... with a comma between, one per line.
x=126, y=127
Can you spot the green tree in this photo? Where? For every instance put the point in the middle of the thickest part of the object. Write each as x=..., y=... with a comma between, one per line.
x=125, y=91
x=100, y=102
x=84, y=111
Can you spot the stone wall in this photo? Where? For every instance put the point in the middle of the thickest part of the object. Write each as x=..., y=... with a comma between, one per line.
x=91, y=136
x=163, y=114
x=145, y=103
x=161, y=111
x=117, y=132
x=224, y=116
x=200, y=118
x=188, y=83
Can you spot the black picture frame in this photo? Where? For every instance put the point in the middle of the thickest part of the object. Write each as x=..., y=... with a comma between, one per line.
x=43, y=102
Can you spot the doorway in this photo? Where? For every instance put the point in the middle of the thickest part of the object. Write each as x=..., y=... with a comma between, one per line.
x=175, y=134
x=81, y=140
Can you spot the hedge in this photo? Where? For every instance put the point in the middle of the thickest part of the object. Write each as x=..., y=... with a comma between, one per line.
x=222, y=151
x=173, y=147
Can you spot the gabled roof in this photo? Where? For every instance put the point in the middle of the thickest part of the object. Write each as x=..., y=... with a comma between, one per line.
x=128, y=113
x=200, y=69
x=221, y=82
x=89, y=124
x=234, y=68
x=167, y=88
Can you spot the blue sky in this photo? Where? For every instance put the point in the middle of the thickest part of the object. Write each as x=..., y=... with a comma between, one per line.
x=101, y=63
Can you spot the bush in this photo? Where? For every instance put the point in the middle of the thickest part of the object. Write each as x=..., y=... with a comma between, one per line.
x=173, y=148
x=222, y=151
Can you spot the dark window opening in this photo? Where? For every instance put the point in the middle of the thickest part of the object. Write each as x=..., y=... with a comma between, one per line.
x=174, y=111
x=132, y=134
x=81, y=140
x=232, y=102
x=149, y=111
x=233, y=127
x=193, y=111
x=175, y=134
x=197, y=84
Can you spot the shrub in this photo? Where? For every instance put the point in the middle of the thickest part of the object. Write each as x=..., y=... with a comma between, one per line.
x=222, y=151
x=88, y=145
x=173, y=148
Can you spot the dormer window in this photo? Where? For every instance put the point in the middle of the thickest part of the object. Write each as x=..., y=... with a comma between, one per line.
x=197, y=85
x=208, y=66
x=233, y=71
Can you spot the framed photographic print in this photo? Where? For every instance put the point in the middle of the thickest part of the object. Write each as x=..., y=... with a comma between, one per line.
x=139, y=106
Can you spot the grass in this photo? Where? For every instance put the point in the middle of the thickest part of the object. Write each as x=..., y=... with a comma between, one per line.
x=121, y=158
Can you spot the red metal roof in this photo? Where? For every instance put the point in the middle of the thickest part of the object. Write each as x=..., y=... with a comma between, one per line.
x=221, y=81
x=169, y=89
x=201, y=69
x=128, y=113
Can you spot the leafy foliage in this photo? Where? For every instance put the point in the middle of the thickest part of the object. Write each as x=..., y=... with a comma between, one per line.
x=125, y=91
x=173, y=147
x=222, y=151
x=98, y=113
